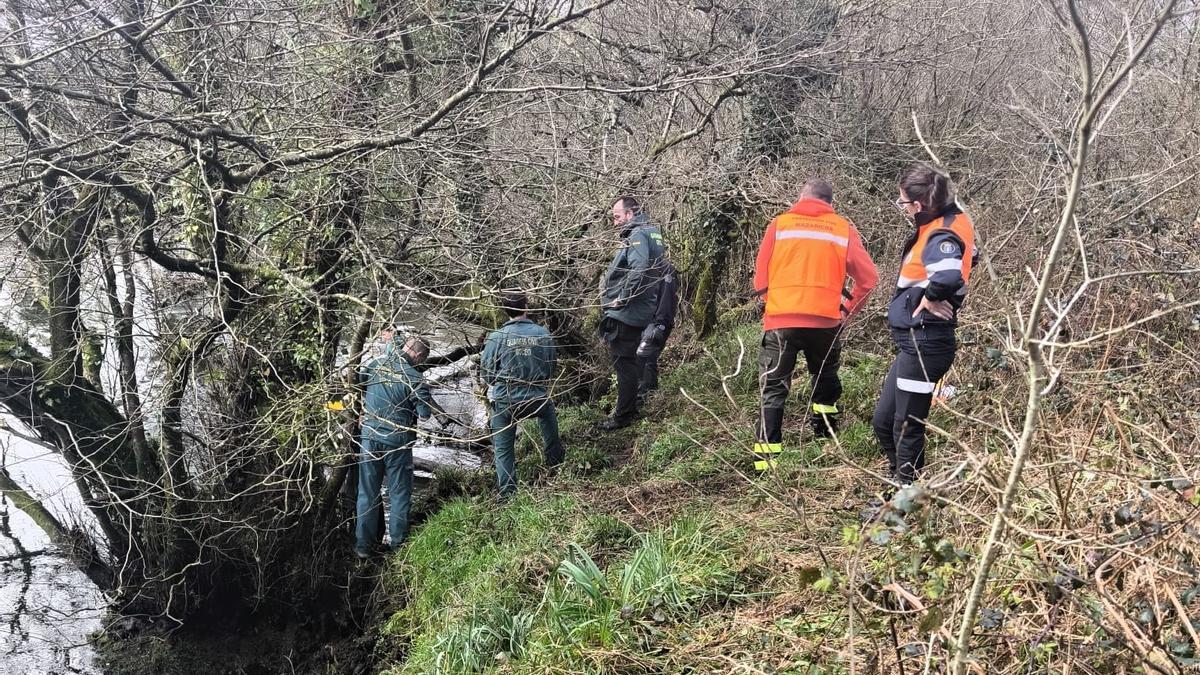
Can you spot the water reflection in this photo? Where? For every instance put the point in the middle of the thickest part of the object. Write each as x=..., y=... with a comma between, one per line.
x=47, y=606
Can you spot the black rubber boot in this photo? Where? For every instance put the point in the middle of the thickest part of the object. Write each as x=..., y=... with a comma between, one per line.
x=614, y=423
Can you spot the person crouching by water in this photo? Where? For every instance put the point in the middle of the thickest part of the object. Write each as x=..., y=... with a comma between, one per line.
x=395, y=395
x=517, y=366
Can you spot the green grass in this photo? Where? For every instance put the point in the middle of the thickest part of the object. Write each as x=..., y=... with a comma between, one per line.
x=731, y=357
x=658, y=548
x=462, y=575
x=674, y=574
x=519, y=585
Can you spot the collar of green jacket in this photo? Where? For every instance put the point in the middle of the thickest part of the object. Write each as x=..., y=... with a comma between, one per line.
x=639, y=221
x=395, y=348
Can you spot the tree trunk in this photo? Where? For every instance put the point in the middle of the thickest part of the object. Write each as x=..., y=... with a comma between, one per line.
x=122, y=311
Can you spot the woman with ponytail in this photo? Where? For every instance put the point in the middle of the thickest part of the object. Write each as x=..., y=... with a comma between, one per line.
x=923, y=314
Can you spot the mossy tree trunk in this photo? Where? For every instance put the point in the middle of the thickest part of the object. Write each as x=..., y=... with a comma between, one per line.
x=772, y=125
x=76, y=544
x=719, y=233
x=93, y=437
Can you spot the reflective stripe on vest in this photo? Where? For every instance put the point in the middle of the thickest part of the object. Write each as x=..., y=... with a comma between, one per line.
x=807, y=271
x=914, y=273
x=807, y=234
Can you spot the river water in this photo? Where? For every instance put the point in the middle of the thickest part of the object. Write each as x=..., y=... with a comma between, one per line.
x=47, y=607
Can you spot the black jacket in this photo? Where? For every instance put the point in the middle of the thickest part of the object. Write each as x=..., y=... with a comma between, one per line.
x=668, y=297
x=942, y=256
x=655, y=334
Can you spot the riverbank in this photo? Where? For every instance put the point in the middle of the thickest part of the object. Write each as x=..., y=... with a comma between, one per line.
x=329, y=634
x=55, y=610
x=658, y=549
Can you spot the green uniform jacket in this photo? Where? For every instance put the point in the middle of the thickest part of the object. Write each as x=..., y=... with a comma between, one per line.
x=518, y=362
x=395, y=396
x=632, y=278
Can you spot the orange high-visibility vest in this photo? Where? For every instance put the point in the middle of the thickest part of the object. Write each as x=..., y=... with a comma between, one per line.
x=808, y=265
x=913, y=272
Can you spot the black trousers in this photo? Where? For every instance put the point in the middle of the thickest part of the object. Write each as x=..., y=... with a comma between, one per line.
x=922, y=358
x=622, y=340
x=776, y=362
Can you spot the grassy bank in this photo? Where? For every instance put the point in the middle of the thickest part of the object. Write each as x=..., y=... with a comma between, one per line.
x=659, y=549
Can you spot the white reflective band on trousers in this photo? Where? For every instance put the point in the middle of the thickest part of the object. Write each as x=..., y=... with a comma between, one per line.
x=809, y=234
x=905, y=282
x=943, y=265
x=914, y=386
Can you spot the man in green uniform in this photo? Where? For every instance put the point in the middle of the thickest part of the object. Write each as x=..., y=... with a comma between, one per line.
x=395, y=395
x=517, y=365
x=630, y=298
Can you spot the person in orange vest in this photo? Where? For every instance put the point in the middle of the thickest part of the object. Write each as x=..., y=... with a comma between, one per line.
x=923, y=314
x=806, y=254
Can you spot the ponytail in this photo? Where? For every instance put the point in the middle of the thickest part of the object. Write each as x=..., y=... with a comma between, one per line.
x=924, y=183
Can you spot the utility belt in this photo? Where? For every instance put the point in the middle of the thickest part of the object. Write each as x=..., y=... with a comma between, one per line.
x=611, y=329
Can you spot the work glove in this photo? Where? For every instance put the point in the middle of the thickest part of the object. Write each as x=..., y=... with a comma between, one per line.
x=651, y=338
